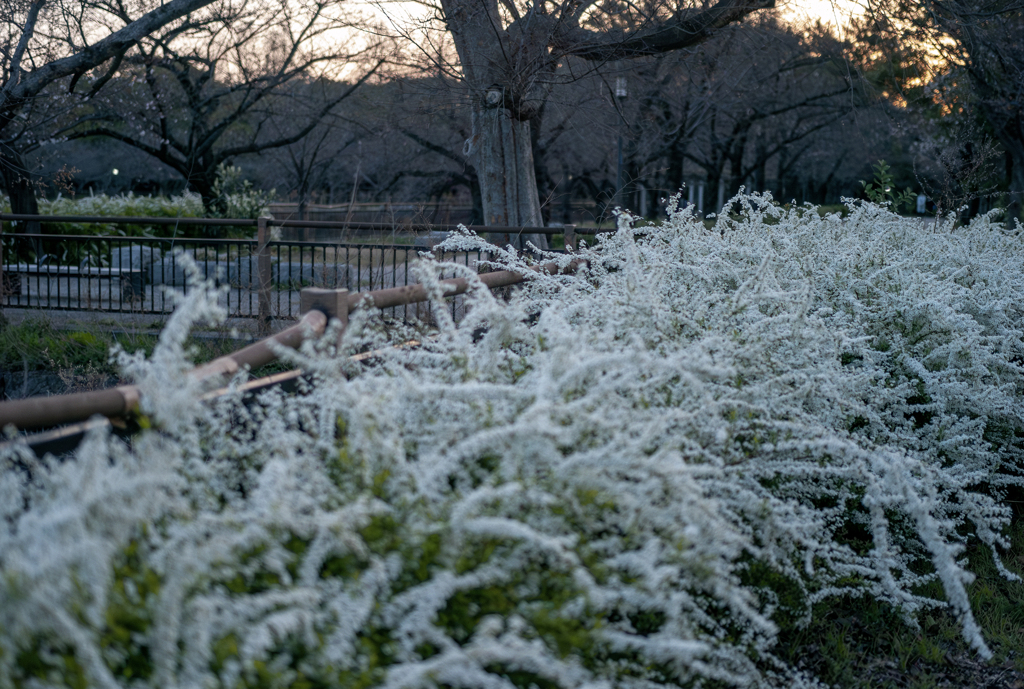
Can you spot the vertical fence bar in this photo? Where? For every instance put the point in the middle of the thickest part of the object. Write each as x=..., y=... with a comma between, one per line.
x=83, y=276
x=148, y=275
x=3, y=282
x=83, y=272
x=174, y=273
x=115, y=247
x=250, y=283
x=235, y=257
x=279, y=277
x=263, y=261
x=49, y=284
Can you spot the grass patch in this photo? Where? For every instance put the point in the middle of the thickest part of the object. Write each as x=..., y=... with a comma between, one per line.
x=37, y=345
x=860, y=643
x=839, y=208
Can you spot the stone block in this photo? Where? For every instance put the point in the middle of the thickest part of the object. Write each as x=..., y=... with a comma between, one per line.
x=136, y=256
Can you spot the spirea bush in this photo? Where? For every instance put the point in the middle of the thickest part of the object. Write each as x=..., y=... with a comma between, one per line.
x=235, y=198
x=631, y=475
x=187, y=205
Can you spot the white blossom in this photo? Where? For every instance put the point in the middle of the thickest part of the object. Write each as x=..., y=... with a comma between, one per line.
x=583, y=486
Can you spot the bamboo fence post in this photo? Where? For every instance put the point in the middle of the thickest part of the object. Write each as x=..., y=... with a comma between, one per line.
x=331, y=302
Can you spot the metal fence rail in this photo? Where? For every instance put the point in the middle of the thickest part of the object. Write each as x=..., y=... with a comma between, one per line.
x=379, y=227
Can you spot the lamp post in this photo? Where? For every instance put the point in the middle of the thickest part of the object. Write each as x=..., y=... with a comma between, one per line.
x=620, y=95
x=113, y=179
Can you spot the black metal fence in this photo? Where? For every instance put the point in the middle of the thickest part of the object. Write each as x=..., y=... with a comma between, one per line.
x=139, y=274
x=261, y=277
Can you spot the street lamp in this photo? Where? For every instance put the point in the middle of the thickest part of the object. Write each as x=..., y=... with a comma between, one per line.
x=620, y=95
x=620, y=88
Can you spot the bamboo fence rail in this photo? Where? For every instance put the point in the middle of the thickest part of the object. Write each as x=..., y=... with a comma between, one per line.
x=116, y=404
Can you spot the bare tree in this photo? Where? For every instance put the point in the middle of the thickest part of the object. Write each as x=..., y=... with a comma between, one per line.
x=511, y=53
x=417, y=136
x=244, y=78
x=308, y=161
x=47, y=46
x=982, y=40
x=775, y=88
x=732, y=108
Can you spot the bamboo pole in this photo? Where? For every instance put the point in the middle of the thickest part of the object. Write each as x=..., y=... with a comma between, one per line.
x=45, y=412
x=264, y=351
x=399, y=296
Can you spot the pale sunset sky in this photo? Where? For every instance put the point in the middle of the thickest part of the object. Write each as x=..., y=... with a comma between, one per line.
x=832, y=12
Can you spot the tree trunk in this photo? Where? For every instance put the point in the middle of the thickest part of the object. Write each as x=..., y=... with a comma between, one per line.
x=303, y=197
x=509, y=69
x=502, y=153
x=674, y=180
x=759, y=181
x=546, y=186
x=735, y=173
x=18, y=184
x=565, y=187
x=715, y=175
x=502, y=68
x=203, y=182
x=477, y=217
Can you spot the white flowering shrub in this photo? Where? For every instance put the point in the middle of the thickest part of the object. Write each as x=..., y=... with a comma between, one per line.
x=235, y=197
x=629, y=476
x=187, y=205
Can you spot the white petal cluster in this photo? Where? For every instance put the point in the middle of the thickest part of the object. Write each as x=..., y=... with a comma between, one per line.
x=627, y=476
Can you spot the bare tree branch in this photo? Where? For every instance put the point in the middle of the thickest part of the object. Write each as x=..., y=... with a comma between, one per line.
x=687, y=28
x=26, y=35
x=101, y=51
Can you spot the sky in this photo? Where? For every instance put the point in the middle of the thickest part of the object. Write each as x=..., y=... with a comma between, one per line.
x=832, y=12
